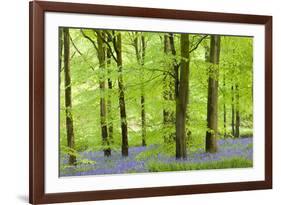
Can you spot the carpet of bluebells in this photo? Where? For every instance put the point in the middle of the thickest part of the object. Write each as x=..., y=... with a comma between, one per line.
x=96, y=164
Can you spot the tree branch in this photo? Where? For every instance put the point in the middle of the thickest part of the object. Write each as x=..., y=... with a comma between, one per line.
x=143, y=83
x=163, y=71
x=198, y=43
x=91, y=40
x=114, y=42
x=80, y=53
x=69, y=60
x=108, y=45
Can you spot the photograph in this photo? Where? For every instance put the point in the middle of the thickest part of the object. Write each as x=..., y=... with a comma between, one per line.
x=134, y=101
x=128, y=102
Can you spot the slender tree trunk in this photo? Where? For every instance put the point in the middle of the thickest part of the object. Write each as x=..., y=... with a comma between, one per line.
x=182, y=98
x=224, y=109
x=207, y=54
x=122, y=105
x=143, y=120
x=60, y=53
x=237, y=114
x=224, y=121
x=68, y=102
x=102, y=64
x=187, y=122
x=168, y=95
x=143, y=114
x=175, y=64
x=139, y=44
x=109, y=106
x=174, y=83
x=212, y=106
x=165, y=90
x=232, y=112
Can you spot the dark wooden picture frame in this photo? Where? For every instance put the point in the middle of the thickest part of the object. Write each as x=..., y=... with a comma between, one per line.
x=37, y=10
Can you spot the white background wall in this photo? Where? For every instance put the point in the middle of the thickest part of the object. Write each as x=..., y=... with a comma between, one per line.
x=14, y=100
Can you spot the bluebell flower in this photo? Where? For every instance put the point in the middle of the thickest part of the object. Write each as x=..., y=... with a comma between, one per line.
x=117, y=164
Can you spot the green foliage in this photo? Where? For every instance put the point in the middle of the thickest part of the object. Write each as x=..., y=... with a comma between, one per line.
x=236, y=63
x=167, y=149
x=81, y=164
x=155, y=166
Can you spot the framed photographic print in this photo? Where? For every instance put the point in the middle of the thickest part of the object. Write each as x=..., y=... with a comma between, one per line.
x=139, y=102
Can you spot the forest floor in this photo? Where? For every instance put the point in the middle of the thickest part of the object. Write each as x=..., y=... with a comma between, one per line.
x=232, y=153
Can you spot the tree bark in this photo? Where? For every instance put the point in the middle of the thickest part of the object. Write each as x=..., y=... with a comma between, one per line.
x=175, y=64
x=68, y=102
x=168, y=94
x=224, y=109
x=60, y=53
x=110, y=87
x=232, y=112
x=139, y=44
x=237, y=114
x=143, y=113
x=102, y=64
x=122, y=104
x=212, y=106
x=182, y=98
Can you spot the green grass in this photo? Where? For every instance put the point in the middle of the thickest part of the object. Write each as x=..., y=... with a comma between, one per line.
x=180, y=166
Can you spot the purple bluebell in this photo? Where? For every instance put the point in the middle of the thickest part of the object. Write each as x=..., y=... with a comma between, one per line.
x=116, y=164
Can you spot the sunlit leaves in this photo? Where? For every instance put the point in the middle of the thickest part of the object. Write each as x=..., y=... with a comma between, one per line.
x=236, y=66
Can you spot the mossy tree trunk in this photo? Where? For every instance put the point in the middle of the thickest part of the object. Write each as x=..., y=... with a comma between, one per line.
x=110, y=87
x=212, y=104
x=68, y=100
x=168, y=95
x=103, y=118
x=182, y=98
x=139, y=44
x=224, y=109
x=232, y=112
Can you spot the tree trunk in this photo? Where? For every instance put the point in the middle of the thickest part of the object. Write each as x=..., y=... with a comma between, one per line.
x=224, y=121
x=102, y=64
x=60, y=53
x=175, y=64
x=168, y=95
x=110, y=86
x=232, y=112
x=122, y=104
x=139, y=44
x=224, y=109
x=143, y=115
x=237, y=114
x=182, y=98
x=212, y=106
x=68, y=102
